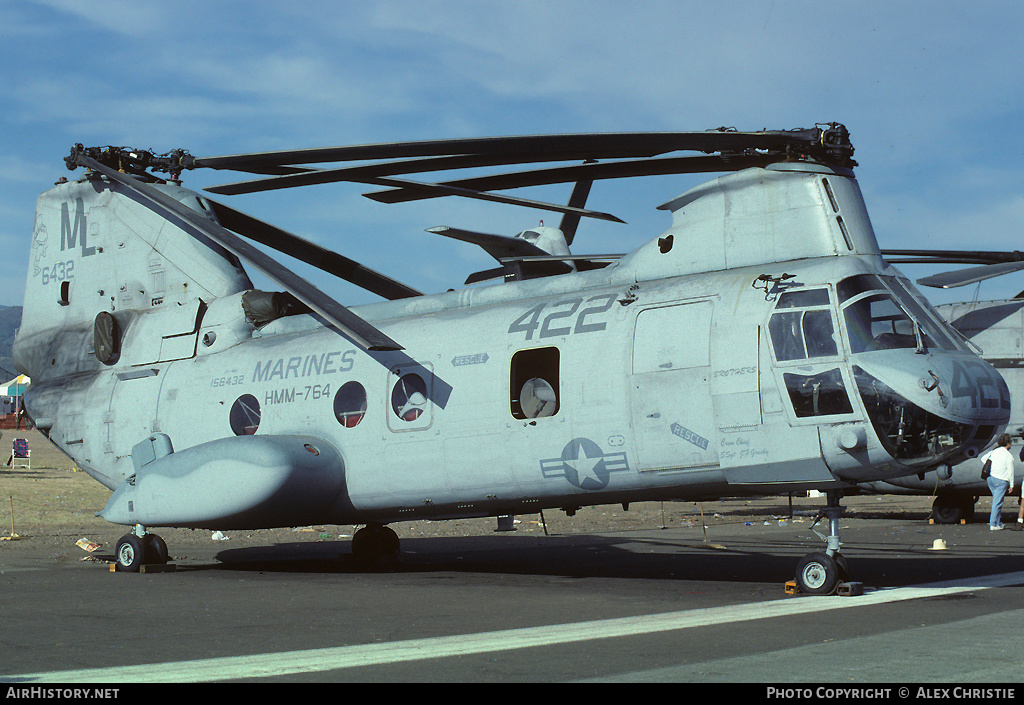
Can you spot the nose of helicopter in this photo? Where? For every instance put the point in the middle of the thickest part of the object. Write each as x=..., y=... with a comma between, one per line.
x=932, y=408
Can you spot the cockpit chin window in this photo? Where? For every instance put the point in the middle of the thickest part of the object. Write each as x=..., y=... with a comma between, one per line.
x=821, y=394
x=910, y=434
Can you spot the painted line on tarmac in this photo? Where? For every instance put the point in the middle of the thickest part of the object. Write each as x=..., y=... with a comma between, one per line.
x=360, y=655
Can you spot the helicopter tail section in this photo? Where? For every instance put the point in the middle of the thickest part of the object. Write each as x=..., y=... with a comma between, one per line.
x=100, y=259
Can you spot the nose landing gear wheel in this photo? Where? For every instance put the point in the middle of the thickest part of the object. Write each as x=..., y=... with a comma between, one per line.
x=817, y=574
x=822, y=573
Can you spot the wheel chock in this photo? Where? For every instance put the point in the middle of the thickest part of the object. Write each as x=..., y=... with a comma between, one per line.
x=851, y=589
x=150, y=568
x=158, y=568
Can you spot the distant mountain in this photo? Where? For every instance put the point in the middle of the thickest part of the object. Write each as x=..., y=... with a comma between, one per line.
x=10, y=319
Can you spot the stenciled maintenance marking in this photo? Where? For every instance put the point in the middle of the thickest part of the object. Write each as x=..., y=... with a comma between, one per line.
x=361, y=655
x=691, y=436
x=462, y=360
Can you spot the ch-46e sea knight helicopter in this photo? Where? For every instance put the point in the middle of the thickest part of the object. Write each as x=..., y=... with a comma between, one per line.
x=760, y=345
x=996, y=329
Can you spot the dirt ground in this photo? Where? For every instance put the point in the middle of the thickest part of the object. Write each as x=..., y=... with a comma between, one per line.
x=51, y=506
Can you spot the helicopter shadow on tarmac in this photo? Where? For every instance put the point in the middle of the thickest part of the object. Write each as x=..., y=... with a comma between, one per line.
x=889, y=557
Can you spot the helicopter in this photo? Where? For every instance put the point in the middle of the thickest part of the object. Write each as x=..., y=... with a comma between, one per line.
x=996, y=329
x=760, y=345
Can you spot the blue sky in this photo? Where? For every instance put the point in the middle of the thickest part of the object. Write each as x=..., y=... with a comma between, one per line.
x=930, y=91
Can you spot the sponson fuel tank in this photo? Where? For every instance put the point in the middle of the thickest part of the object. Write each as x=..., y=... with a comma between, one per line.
x=231, y=483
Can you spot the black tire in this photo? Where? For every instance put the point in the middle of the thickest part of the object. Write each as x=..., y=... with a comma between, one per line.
x=155, y=550
x=130, y=553
x=817, y=574
x=844, y=567
x=375, y=546
x=949, y=510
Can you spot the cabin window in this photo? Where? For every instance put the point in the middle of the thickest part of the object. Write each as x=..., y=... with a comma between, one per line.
x=409, y=397
x=802, y=327
x=350, y=404
x=533, y=383
x=245, y=415
x=822, y=394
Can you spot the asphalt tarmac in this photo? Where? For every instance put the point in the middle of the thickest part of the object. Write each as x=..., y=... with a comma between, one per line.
x=687, y=593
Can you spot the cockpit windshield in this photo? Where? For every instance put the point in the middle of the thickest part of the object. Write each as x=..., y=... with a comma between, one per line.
x=883, y=315
x=930, y=322
x=876, y=322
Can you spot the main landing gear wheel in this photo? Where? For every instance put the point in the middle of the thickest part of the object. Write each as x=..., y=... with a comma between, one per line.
x=155, y=550
x=375, y=545
x=134, y=551
x=129, y=553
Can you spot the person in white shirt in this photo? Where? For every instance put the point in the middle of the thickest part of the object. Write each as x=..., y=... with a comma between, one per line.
x=1000, y=479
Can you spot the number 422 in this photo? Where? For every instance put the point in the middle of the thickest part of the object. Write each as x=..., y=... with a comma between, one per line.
x=531, y=320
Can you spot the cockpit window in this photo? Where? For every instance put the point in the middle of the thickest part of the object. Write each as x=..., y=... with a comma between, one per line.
x=802, y=327
x=929, y=320
x=852, y=286
x=803, y=299
x=875, y=322
x=883, y=315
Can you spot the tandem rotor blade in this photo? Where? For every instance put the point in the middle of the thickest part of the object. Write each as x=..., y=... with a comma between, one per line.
x=361, y=332
x=423, y=190
x=829, y=144
x=971, y=275
x=953, y=256
x=581, y=173
x=311, y=253
x=577, y=199
x=497, y=246
x=832, y=143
